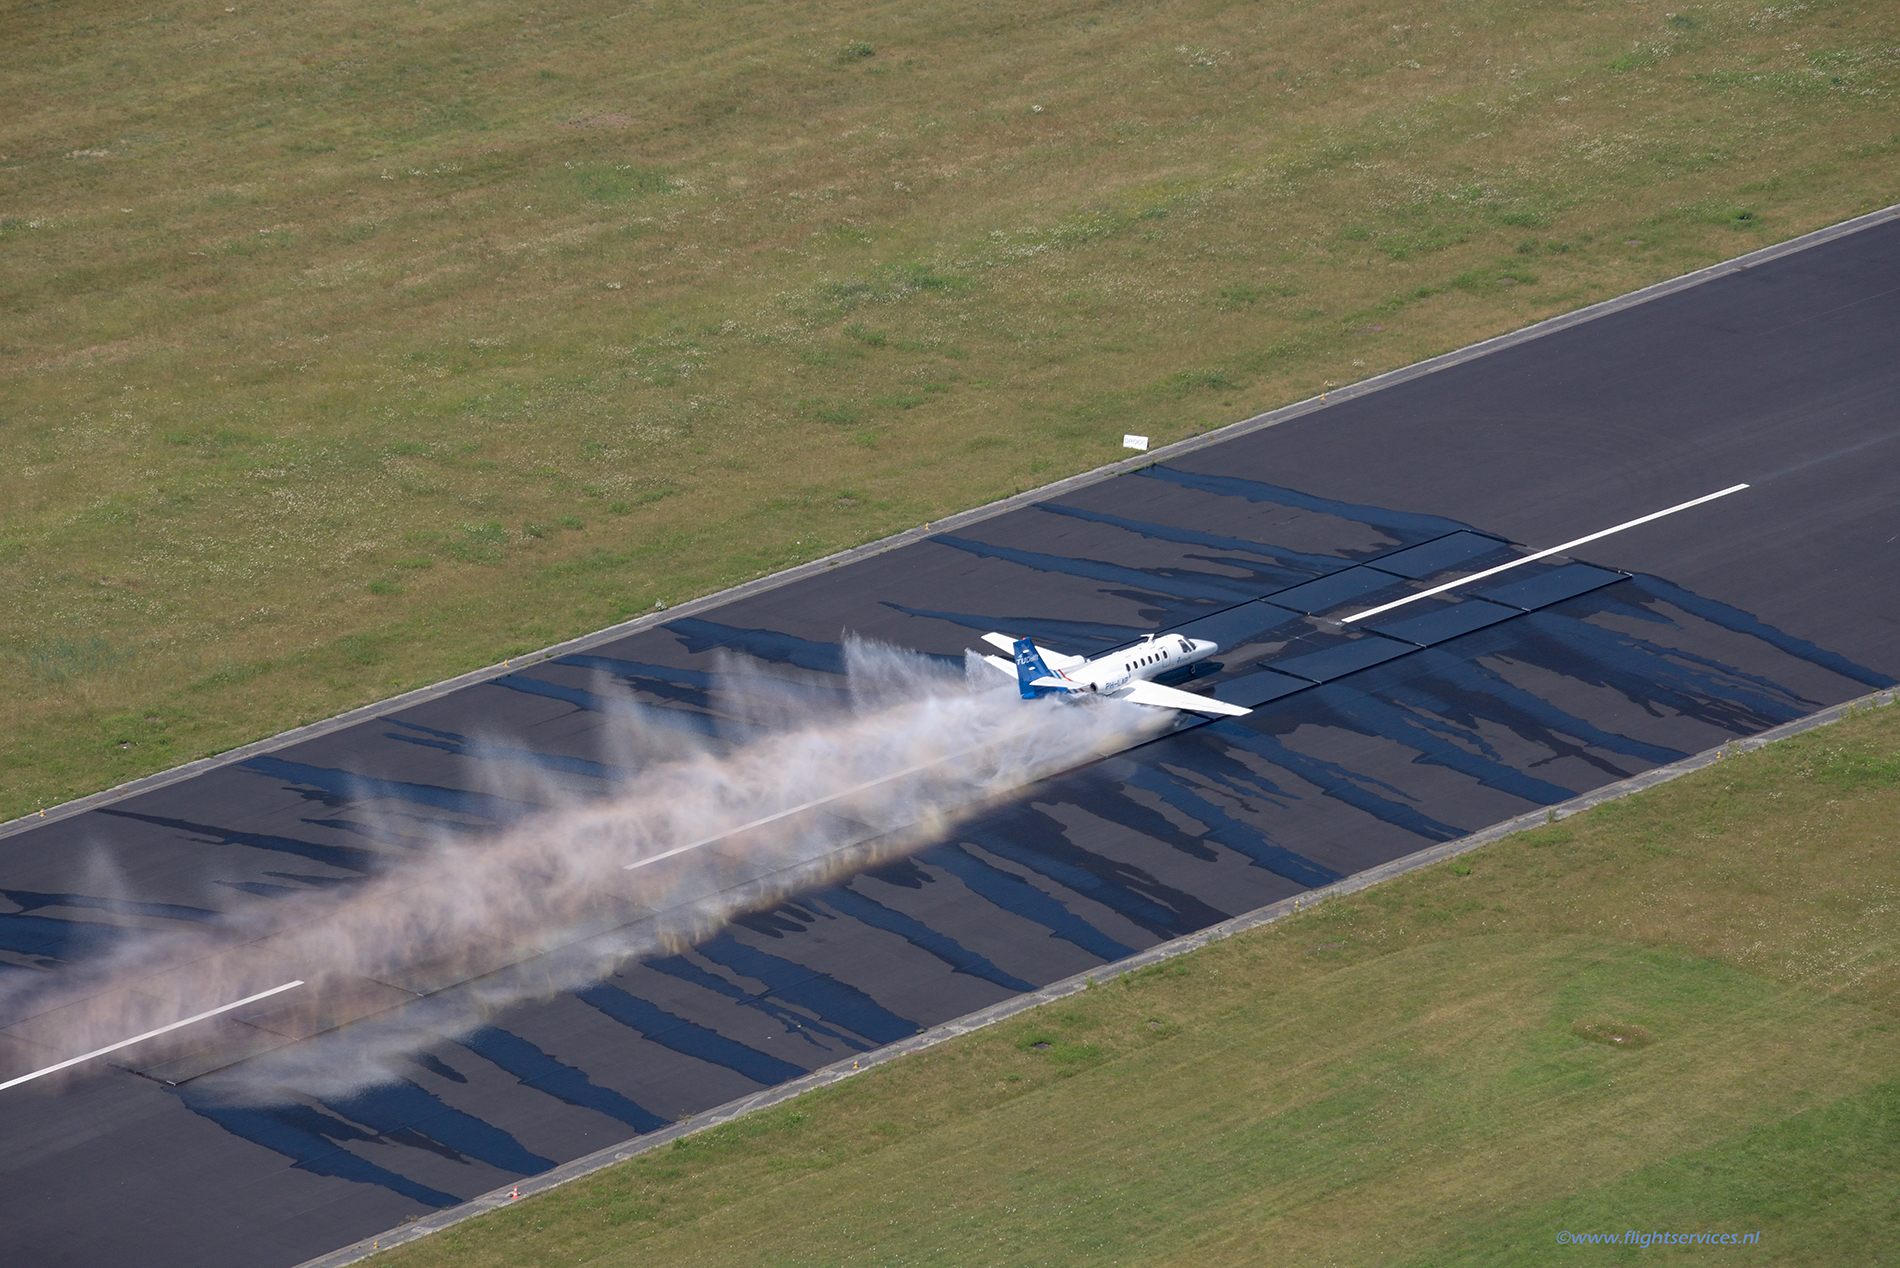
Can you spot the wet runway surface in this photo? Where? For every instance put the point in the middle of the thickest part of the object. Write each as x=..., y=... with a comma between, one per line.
x=1367, y=742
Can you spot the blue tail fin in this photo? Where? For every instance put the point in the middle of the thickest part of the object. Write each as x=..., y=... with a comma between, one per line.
x=1029, y=668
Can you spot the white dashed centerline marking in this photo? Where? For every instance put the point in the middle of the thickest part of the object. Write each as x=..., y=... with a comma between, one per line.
x=150, y=1034
x=1554, y=550
x=809, y=805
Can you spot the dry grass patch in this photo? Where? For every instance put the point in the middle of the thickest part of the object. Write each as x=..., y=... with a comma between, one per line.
x=1611, y=1031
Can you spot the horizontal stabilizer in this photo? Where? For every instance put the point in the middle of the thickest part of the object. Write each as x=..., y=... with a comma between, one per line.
x=1153, y=693
x=1005, y=667
x=1054, y=660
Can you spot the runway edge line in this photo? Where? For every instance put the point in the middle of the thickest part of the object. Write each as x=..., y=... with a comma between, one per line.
x=962, y=519
x=1005, y=1009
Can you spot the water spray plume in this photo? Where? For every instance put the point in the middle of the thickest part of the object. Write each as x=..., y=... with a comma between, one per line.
x=800, y=783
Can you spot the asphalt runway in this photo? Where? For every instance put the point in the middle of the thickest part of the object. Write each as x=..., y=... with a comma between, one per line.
x=1366, y=744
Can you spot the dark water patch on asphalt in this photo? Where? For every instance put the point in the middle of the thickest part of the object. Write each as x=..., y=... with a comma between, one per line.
x=348, y=858
x=1740, y=622
x=699, y=636
x=349, y=787
x=478, y=750
x=824, y=996
x=694, y=685
x=29, y=901
x=795, y=1010
x=688, y=1038
x=1658, y=677
x=1447, y=740
x=1376, y=797
x=309, y=1138
x=1177, y=588
x=1453, y=677
x=288, y=884
x=1103, y=792
x=1293, y=566
x=808, y=1027
x=684, y=720
x=406, y=1114
x=1030, y=840
x=438, y=1067
x=1046, y=632
x=1469, y=551
x=1368, y=585
x=1245, y=839
x=1014, y=894
x=378, y=833
x=538, y=1070
x=48, y=937
x=961, y=959
x=704, y=689
x=1408, y=527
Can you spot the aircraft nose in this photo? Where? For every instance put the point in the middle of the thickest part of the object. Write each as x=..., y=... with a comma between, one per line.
x=1204, y=646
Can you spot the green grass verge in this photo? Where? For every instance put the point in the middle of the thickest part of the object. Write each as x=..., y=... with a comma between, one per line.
x=348, y=347
x=1677, y=1012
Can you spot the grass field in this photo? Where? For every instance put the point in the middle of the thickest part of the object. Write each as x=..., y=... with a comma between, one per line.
x=349, y=346
x=1677, y=1012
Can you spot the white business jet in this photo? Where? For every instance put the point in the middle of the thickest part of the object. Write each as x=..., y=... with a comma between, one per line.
x=1119, y=675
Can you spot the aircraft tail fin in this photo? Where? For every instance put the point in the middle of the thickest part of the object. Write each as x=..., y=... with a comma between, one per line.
x=1033, y=677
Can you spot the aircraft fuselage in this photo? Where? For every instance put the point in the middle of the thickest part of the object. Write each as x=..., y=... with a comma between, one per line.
x=1156, y=654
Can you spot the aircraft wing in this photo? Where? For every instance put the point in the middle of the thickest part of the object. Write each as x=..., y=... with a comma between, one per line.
x=1153, y=693
x=1055, y=660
